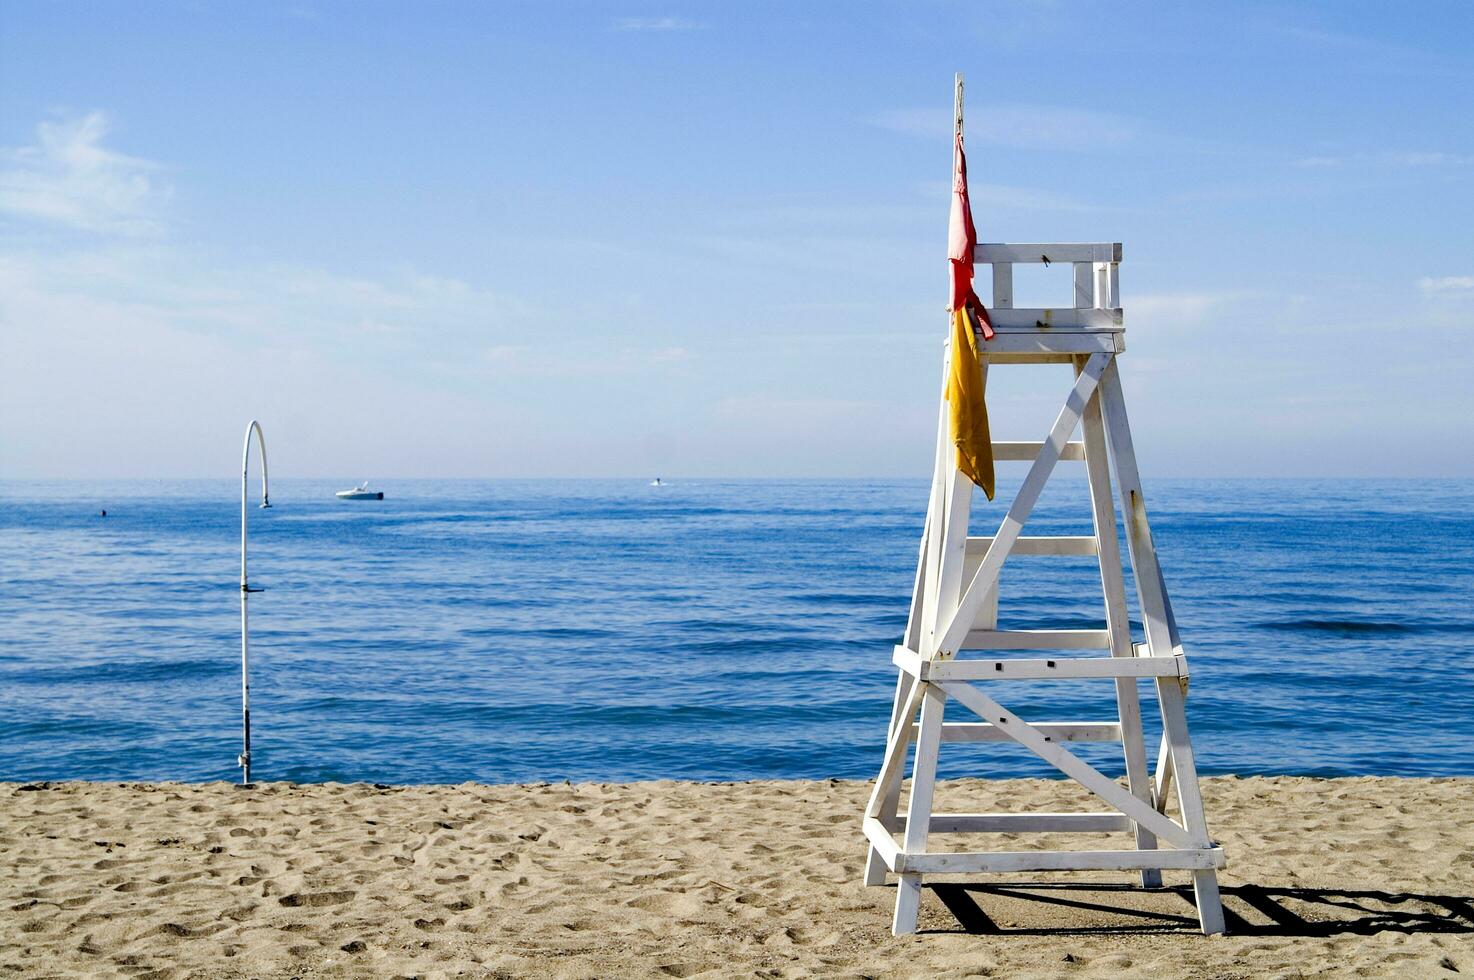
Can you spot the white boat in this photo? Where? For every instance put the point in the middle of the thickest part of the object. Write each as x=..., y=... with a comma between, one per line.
x=360, y=492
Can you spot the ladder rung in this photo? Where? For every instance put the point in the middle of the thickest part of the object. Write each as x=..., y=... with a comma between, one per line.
x=1003, y=861
x=1057, y=731
x=990, y=639
x=1021, y=823
x=1051, y=545
x=1051, y=321
x=1050, y=252
x=1014, y=452
x=1066, y=668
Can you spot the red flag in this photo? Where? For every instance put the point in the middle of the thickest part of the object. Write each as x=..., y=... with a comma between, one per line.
x=962, y=239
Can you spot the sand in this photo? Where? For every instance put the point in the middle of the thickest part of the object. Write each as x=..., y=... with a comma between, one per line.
x=1347, y=877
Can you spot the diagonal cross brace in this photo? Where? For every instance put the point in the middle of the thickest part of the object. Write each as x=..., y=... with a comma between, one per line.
x=1070, y=764
x=892, y=769
x=1023, y=505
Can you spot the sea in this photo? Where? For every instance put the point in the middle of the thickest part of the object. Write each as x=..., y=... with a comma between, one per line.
x=610, y=630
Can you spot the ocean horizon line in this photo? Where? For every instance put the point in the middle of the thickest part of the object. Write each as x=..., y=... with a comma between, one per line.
x=664, y=477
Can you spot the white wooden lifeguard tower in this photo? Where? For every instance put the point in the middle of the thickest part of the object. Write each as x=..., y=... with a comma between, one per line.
x=954, y=609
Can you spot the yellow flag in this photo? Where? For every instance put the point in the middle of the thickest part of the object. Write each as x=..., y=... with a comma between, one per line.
x=969, y=414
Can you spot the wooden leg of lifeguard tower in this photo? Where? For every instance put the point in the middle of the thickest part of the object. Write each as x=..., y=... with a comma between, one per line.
x=918, y=812
x=1118, y=620
x=1162, y=640
x=889, y=792
x=886, y=799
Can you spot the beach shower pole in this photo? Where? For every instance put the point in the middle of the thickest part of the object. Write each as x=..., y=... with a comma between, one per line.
x=244, y=761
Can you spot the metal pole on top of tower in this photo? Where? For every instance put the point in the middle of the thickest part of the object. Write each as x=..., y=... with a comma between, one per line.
x=957, y=125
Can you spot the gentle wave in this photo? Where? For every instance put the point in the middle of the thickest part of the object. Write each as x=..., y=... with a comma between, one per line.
x=1351, y=627
x=110, y=672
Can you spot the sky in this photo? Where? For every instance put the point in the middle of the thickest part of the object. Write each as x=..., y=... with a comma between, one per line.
x=708, y=240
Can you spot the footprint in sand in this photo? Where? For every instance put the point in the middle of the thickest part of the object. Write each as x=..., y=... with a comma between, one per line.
x=172, y=929
x=583, y=925
x=315, y=899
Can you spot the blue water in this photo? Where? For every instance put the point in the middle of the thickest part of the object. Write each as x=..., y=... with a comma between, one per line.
x=513, y=631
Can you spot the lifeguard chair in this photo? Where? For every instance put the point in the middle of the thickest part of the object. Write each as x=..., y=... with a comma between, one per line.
x=954, y=611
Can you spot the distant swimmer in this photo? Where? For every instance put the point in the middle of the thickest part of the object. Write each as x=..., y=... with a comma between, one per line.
x=104, y=513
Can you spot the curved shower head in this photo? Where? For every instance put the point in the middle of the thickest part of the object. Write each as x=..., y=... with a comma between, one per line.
x=246, y=459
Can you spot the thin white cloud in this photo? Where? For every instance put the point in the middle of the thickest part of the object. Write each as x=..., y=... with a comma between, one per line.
x=1427, y=159
x=69, y=178
x=1388, y=158
x=1025, y=198
x=779, y=411
x=657, y=24
x=598, y=359
x=401, y=318
x=1376, y=54
x=914, y=122
x=1180, y=309
x=1443, y=285
x=1021, y=126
